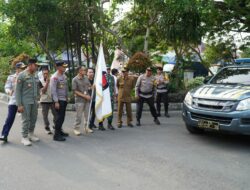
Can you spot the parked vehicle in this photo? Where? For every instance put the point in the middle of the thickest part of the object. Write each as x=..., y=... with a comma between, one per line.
x=223, y=104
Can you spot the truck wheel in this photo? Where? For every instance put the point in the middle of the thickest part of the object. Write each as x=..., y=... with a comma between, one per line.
x=194, y=130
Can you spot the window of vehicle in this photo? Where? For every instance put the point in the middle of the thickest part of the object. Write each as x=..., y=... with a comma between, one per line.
x=232, y=75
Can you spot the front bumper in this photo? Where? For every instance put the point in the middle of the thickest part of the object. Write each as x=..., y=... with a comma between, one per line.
x=235, y=121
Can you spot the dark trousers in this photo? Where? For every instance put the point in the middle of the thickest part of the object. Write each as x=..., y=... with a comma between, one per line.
x=12, y=109
x=92, y=115
x=139, y=107
x=60, y=117
x=162, y=97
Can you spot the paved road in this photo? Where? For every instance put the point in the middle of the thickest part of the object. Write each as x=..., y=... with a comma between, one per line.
x=150, y=157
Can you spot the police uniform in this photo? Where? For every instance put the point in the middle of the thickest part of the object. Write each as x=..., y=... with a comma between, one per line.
x=27, y=93
x=145, y=90
x=161, y=94
x=59, y=93
x=125, y=86
x=9, y=87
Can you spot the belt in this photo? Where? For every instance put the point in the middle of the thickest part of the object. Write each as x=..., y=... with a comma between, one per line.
x=162, y=88
x=146, y=93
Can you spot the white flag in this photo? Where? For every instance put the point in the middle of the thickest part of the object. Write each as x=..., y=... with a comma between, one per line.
x=103, y=102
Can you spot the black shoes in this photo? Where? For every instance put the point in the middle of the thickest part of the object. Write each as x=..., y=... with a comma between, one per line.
x=110, y=126
x=92, y=126
x=130, y=125
x=167, y=115
x=119, y=125
x=101, y=128
x=4, y=139
x=59, y=138
x=138, y=123
x=63, y=134
x=157, y=122
x=48, y=131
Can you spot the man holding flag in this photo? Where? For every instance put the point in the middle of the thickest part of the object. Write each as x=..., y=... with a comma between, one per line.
x=103, y=107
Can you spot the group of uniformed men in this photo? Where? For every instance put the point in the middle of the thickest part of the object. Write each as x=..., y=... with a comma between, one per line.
x=26, y=88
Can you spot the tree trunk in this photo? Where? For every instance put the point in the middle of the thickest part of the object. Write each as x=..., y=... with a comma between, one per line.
x=45, y=50
x=119, y=40
x=146, y=40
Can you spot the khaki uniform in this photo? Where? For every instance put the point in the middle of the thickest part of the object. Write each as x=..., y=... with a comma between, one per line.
x=125, y=86
x=82, y=105
x=27, y=92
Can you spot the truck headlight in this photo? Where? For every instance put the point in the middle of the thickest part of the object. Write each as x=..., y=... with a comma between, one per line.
x=243, y=105
x=188, y=99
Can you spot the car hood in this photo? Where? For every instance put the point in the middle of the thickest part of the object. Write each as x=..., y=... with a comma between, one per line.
x=222, y=92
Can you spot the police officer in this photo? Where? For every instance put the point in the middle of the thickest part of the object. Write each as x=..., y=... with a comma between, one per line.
x=46, y=99
x=9, y=87
x=161, y=92
x=125, y=85
x=27, y=92
x=144, y=91
x=59, y=93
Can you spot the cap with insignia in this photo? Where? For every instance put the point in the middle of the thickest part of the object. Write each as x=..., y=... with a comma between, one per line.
x=61, y=63
x=125, y=69
x=159, y=68
x=32, y=61
x=20, y=65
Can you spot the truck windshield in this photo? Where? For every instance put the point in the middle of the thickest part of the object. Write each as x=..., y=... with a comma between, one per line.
x=233, y=76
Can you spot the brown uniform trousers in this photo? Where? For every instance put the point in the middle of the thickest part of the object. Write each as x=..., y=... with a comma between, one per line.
x=125, y=87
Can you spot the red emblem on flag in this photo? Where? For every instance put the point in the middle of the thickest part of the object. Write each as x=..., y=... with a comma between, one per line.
x=105, y=83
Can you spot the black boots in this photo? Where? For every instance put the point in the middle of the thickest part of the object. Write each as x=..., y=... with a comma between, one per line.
x=138, y=123
x=4, y=139
x=157, y=122
x=110, y=126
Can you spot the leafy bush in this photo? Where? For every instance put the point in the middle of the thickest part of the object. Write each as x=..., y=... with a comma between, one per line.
x=193, y=83
x=139, y=62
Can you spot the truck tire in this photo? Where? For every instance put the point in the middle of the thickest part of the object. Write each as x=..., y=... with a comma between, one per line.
x=194, y=130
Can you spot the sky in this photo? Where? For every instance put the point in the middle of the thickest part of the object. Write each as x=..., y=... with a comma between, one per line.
x=123, y=9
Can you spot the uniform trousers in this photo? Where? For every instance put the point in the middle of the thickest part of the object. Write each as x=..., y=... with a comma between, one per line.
x=92, y=115
x=29, y=117
x=139, y=107
x=110, y=118
x=128, y=111
x=60, y=117
x=12, y=110
x=45, y=112
x=162, y=97
x=82, y=109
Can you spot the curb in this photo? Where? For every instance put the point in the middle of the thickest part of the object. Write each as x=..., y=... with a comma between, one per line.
x=71, y=107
